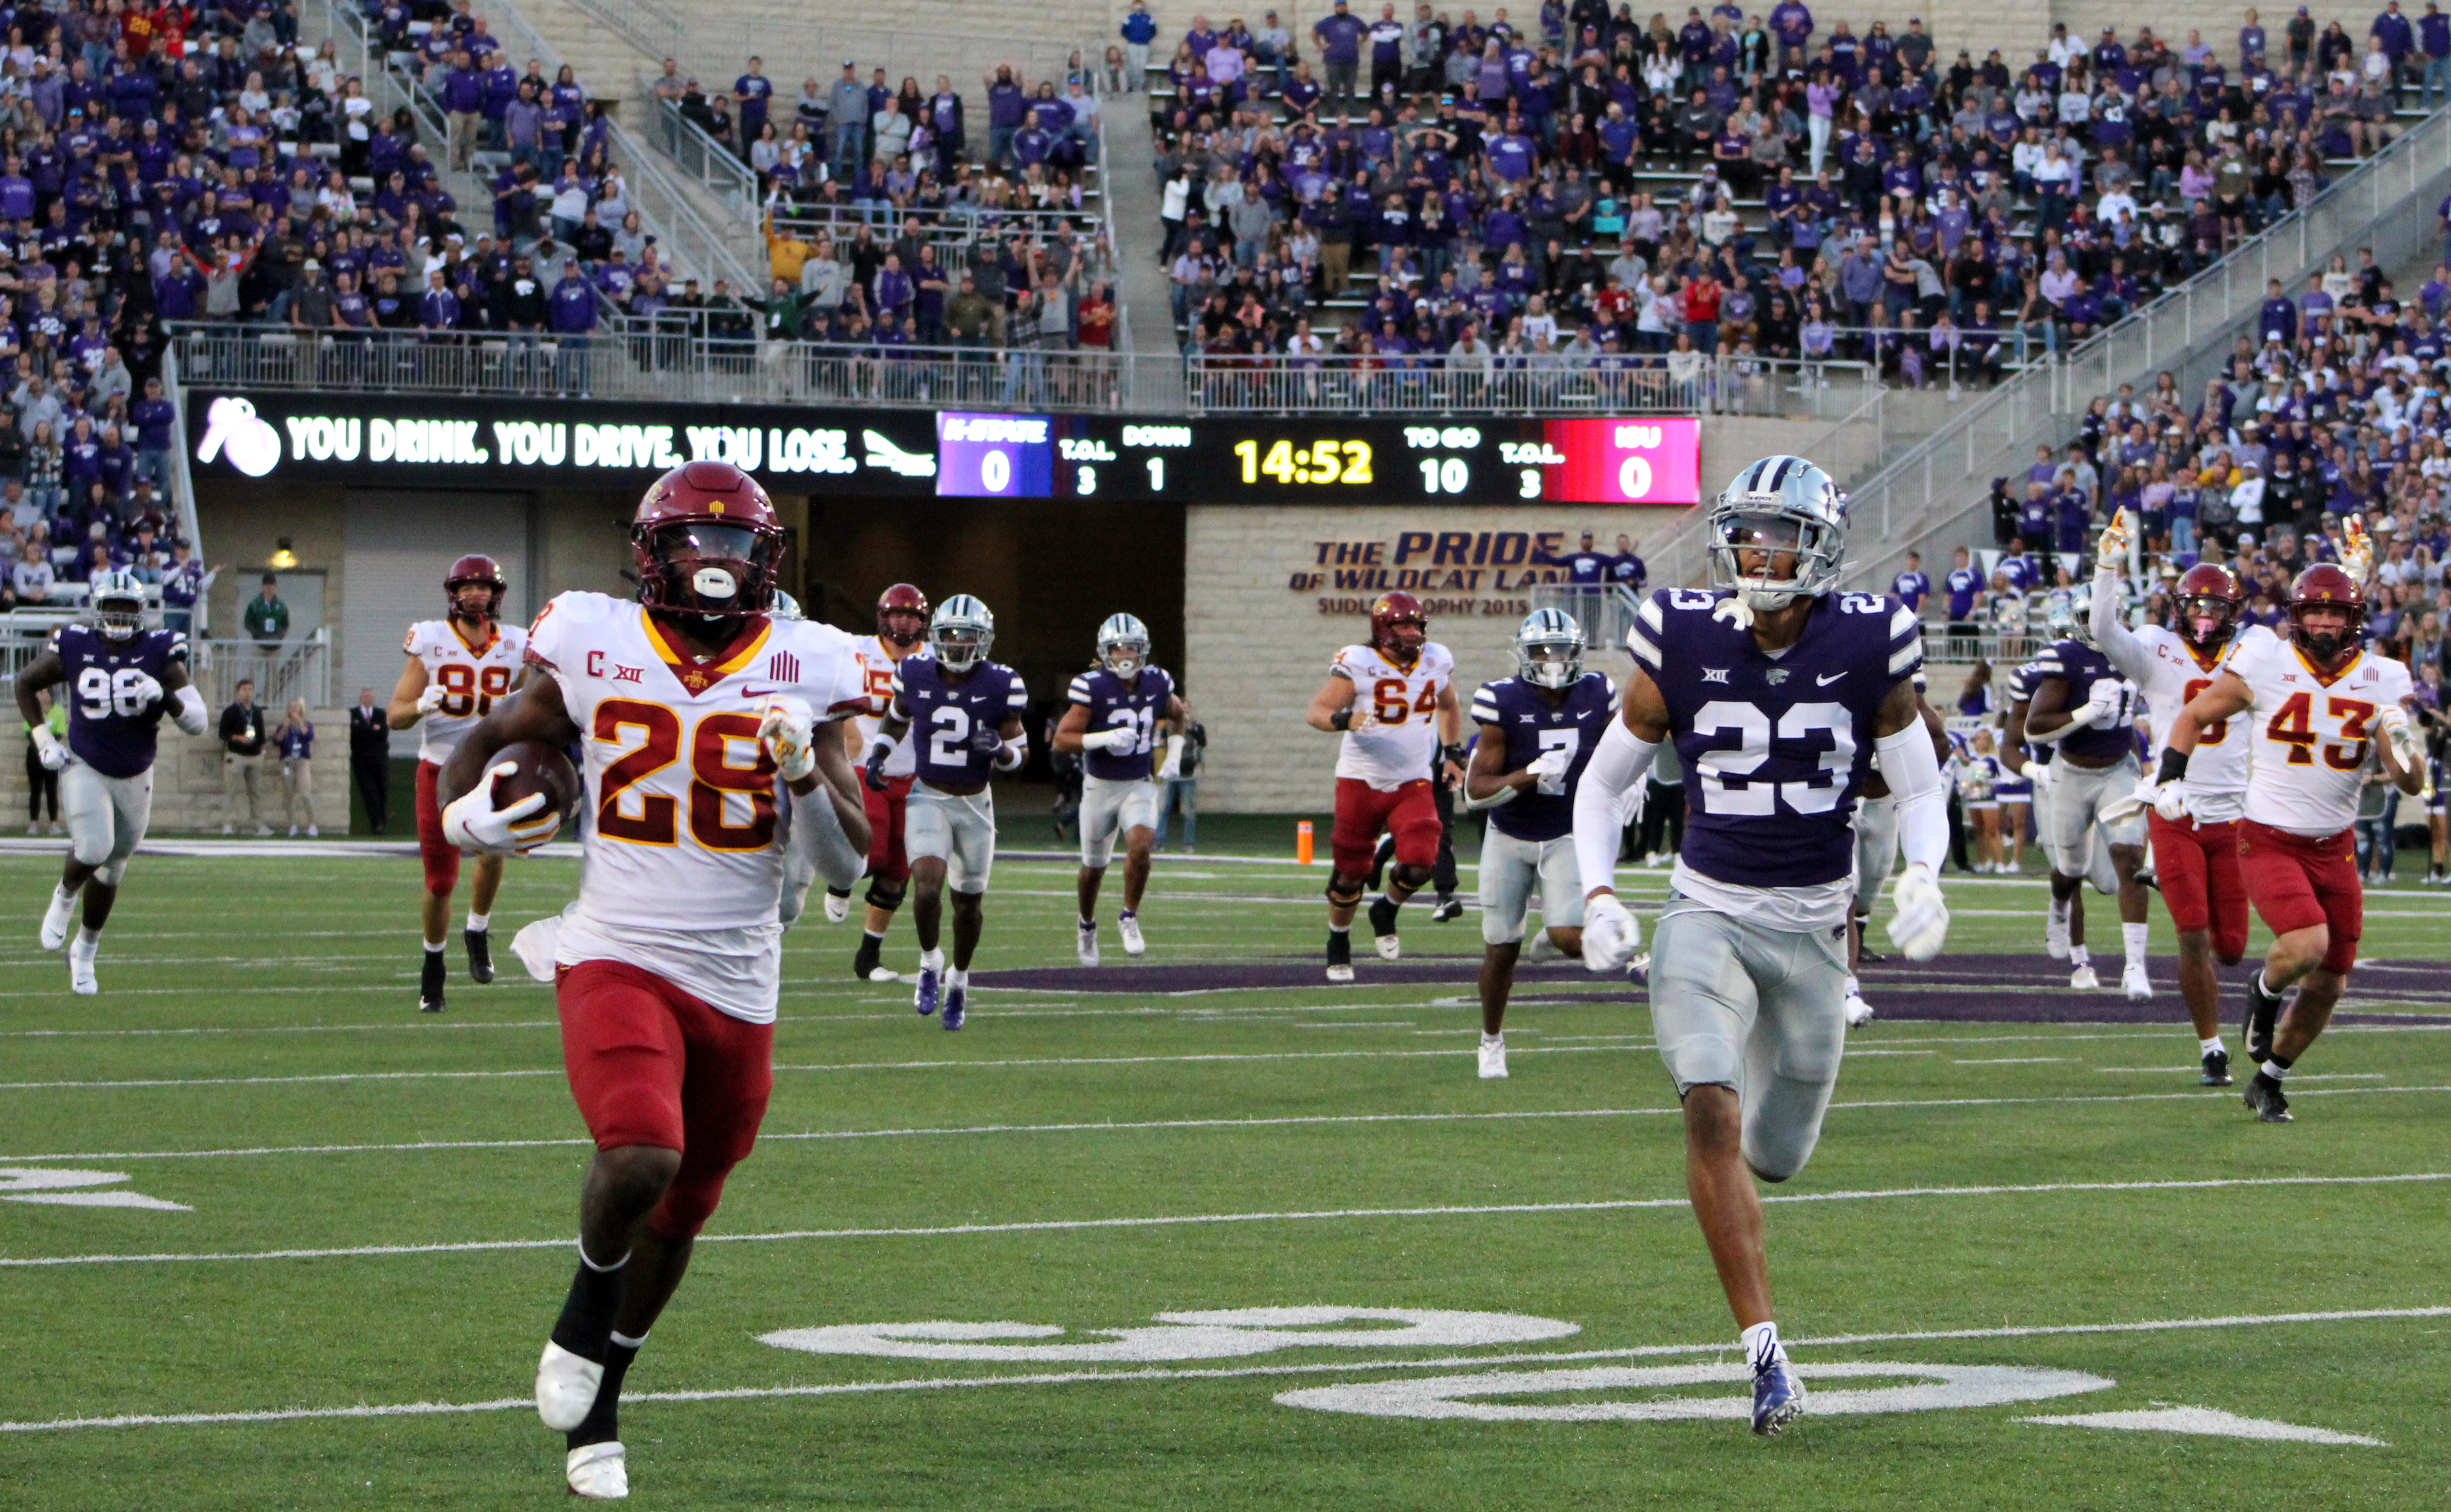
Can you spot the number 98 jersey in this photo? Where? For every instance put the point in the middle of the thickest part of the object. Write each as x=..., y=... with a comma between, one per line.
x=471, y=677
x=1775, y=748
x=110, y=729
x=1395, y=729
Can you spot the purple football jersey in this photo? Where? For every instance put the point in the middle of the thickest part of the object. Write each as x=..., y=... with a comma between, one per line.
x=2080, y=666
x=945, y=717
x=109, y=729
x=1531, y=725
x=1774, y=747
x=1113, y=704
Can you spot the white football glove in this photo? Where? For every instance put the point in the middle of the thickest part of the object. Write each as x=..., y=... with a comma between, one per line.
x=1611, y=935
x=431, y=699
x=48, y=748
x=1115, y=739
x=147, y=688
x=1920, y=919
x=2110, y=552
x=2357, y=548
x=1550, y=768
x=2038, y=773
x=2170, y=800
x=2407, y=746
x=787, y=727
x=472, y=823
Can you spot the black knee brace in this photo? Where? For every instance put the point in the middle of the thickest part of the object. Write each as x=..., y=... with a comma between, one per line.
x=885, y=894
x=1343, y=891
x=1414, y=877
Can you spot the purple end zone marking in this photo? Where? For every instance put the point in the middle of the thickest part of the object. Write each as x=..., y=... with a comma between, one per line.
x=1956, y=989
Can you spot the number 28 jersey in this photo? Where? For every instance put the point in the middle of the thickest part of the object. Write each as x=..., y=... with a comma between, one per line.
x=1395, y=728
x=1775, y=748
x=471, y=677
x=2312, y=735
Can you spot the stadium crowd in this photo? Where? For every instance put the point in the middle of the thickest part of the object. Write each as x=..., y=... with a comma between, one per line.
x=1603, y=191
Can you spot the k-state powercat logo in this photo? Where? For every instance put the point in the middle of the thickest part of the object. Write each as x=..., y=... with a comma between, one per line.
x=232, y=426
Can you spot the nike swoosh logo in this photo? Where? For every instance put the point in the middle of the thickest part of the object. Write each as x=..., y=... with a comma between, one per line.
x=1824, y=682
x=762, y=693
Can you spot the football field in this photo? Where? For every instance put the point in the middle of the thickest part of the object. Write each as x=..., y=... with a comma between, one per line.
x=1198, y=1230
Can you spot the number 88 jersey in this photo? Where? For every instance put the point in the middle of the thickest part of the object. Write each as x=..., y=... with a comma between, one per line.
x=1395, y=729
x=471, y=677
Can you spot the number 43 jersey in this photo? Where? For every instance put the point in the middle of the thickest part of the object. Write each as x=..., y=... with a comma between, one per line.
x=471, y=677
x=1774, y=747
x=109, y=729
x=2313, y=735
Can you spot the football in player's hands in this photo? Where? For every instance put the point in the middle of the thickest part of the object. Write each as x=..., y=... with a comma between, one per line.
x=2108, y=698
x=430, y=700
x=528, y=790
x=144, y=687
x=1611, y=935
x=1919, y=923
x=1549, y=769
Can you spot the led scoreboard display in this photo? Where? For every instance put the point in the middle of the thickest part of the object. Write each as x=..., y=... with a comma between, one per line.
x=884, y=452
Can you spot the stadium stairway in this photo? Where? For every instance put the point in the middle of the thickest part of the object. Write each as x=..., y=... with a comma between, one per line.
x=1146, y=291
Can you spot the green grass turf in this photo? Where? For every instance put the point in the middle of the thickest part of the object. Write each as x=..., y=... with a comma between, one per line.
x=306, y=967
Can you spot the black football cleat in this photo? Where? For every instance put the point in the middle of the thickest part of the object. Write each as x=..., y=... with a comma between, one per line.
x=429, y=983
x=480, y=954
x=2264, y=1095
x=1379, y=859
x=2262, y=1012
x=1449, y=907
x=2216, y=1068
x=865, y=960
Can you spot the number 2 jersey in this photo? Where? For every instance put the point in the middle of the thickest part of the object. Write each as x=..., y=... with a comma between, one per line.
x=1774, y=747
x=471, y=678
x=2171, y=673
x=1532, y=727
x=1138, y=705
x=1395, y=728
x=2313, y=736
x=945, y=717
x=683, y=867
x=109, y=729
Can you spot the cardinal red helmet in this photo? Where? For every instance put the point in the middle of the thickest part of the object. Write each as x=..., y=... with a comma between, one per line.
x=477, y=568
x=2325, y=586
x=902, y=598
x=707, y=543
x=1391, y=610
x=2208, y=580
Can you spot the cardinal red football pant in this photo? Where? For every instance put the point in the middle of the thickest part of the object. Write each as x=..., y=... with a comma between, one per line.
x=652, y=1065
x=2297, y=882
x=886, y=861
x=441, y=857
x=1410, y=813
x=2198, y=867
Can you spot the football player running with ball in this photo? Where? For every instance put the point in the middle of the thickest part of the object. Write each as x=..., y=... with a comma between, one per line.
x=2195, y=833
x=1537, y=731
x=967, y=710
x=1116, y=711
x=458, y=667
x=1394, y=701
x=688, y=705
x=2082, y=706
x=118, y=679
x=2318, y=710
x=1777, y=692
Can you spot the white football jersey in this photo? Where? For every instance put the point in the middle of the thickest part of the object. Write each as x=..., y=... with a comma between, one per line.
x=1395, y=732
x=2171, y=673
x=2313, y=736
x=472, y=678
x=683, y=863
x=877, y=664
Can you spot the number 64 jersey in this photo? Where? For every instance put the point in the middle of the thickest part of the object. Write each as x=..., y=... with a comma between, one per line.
x=471, y=677
x=682, y=865
x=1395, y=728
x=1774, y=747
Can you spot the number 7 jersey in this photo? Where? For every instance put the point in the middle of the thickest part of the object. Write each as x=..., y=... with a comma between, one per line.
x=471, y=677
x=2313, y=736
x=1395, y=728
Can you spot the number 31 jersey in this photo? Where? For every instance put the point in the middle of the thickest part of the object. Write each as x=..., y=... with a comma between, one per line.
x=2313, y=735
x=471, y=678
x=1395, y=714
x=1774, y=747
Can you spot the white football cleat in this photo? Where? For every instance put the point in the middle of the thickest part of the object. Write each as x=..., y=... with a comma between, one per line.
x=837, y=909
x=2083, y=978
x=81, y=969
x=882, y=973
x=600, y=1472
x=1540, y=948
x=56, y=919
x=1084, y=944
x=1340, y=974
x=1493, y=1058
x=565, y=1391
x=2055, y=936
x=1859, y=1013
x=1129, y=927
x=2133, y=982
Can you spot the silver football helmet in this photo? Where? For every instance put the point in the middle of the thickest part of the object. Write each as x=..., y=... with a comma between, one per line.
x=961, y=633
x=117, y=599
x=2063, y=620
x=1122, y=644
x=1785, y=504
x=785, y=606
x=1549, y=649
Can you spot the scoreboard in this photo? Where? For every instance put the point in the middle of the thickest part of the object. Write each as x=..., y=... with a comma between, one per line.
x=1321, y=458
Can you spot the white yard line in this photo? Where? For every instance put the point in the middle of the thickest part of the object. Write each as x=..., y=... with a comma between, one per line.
x=405, y=1409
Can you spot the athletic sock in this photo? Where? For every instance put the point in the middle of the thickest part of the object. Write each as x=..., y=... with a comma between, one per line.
x=433, y=947
x=60, y=894
x=871, y=937
x=2276, y=1066
x=2135, y=937
x=88, y=940
x=1129, y=913
x=1855, y=989
x=932, y=959
x=1761, y=1346
x=1487, y=1038
x=2210, y=1047
x=2080, y=957
x=478, y=921
x=602, y=1423
x=2059, y=911
x=1340, y=929
x=958, y=976
x=585, y=1326
x=1091, y=923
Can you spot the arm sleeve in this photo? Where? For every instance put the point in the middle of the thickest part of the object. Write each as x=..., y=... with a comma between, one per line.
x=1617, y=763
x=1913, y=775
x=187, y=710
x=2117, y=641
